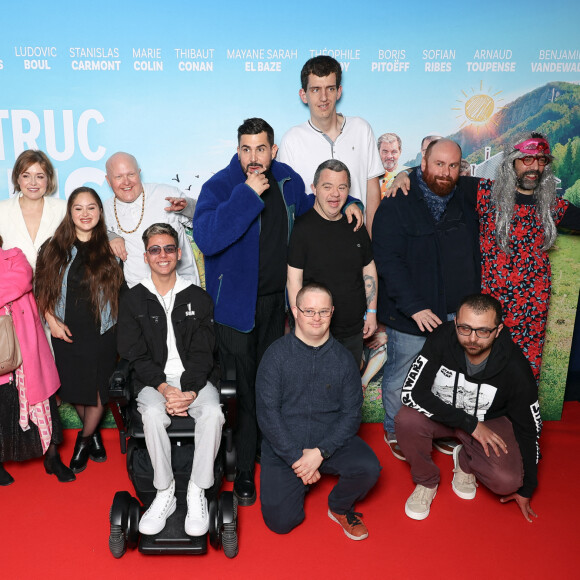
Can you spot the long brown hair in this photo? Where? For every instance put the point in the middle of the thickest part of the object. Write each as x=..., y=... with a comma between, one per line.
x=103, y=275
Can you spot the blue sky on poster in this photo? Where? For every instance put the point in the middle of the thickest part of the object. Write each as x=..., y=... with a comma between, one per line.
x=185, y=122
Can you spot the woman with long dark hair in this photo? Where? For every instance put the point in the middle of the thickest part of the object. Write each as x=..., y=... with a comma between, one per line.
x=77, y=288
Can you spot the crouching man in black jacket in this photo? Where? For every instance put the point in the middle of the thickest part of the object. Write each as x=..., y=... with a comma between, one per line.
x=166, y=331
x=472, y=381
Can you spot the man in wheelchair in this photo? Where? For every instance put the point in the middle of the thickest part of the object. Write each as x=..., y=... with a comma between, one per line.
x=174, y=373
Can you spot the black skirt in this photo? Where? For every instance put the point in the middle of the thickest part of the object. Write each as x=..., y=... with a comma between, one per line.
x=16, y=444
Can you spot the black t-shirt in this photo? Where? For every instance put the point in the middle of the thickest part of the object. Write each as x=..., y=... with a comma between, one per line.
x=273, y=240
x=331, y=253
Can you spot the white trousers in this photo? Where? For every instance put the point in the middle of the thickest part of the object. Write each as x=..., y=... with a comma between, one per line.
x=206, y=411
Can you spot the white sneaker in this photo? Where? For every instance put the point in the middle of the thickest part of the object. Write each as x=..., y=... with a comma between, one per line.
x=419, y=503
x=197, y=519
x=464, y=484
x=153, y=520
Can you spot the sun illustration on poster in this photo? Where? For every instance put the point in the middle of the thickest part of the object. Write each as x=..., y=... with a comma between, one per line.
x=478, y=109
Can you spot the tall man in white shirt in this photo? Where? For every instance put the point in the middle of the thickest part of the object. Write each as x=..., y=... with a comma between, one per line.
x=331, y=135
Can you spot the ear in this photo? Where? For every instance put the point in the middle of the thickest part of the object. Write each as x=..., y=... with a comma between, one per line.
x=303, y=98
x=313, y=189
x=499, y=329
x=423, y=164
x=274, y=150
x=339, y=93
x=178, y=254
x=145, y=258
x=107, y=178
x=295, y=311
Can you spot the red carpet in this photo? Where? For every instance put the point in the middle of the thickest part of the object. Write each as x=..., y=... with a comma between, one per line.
x=55, y=530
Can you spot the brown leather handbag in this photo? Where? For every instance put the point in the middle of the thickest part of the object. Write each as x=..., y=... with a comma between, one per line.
x=10, y=355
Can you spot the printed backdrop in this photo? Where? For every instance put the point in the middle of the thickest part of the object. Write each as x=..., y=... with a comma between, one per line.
x=171, y=81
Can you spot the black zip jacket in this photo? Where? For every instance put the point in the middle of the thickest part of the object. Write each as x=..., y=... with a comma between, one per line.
x=142, y=337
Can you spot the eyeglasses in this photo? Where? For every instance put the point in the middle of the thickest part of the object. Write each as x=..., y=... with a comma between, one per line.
x=541, y=159
x=156, y=250
x=325, y=313
x=466, y=330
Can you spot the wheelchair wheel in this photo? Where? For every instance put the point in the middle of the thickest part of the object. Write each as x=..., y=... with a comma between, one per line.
x=124, y=523
x=117, y=539
x=229, y=515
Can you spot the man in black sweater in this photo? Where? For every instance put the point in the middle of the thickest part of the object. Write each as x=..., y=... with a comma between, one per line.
x=308, y=402
x=472, y=382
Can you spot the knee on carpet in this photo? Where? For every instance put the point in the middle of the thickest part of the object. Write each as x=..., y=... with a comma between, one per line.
x=279, y=522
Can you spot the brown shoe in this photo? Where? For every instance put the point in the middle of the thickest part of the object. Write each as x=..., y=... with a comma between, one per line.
x=351, y=524
x=391, y=441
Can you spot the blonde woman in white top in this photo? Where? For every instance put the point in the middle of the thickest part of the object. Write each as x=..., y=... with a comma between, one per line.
x=29, y=218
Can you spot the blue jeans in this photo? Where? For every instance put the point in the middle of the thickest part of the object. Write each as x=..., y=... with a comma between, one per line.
x=402, y=348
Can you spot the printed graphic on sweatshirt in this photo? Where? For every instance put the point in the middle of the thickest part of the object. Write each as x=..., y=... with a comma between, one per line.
x=454, y=389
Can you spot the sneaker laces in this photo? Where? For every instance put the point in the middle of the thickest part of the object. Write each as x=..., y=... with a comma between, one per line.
x=464, y=478
x=353, y=518
x=421, y=495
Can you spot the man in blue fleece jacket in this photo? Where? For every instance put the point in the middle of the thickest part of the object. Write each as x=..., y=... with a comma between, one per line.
x=243, y=218
x=309, y=400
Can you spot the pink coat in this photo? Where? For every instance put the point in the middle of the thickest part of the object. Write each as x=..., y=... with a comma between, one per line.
x=40, y=374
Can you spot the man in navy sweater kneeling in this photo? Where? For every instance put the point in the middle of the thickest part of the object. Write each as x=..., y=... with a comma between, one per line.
x=309, y=399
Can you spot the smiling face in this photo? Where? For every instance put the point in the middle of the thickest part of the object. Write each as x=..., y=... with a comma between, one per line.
x=85, y=214
x=163, y=264
x=255, y=153
x=321, y=95
x=32, y=182
x=390, y=154
x=441, y=167
x=124, y=177
x=528, y=176
x=331, y=192
x=313, y=330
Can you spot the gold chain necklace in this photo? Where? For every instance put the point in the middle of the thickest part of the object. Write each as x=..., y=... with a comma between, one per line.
x=140, y=219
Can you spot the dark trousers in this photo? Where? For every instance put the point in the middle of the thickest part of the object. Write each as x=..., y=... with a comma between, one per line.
x=415, y=433
x=282, y=492
x=355, y=345
x=248, y=349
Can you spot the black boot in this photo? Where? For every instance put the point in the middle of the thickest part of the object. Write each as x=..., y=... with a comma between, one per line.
x=54, y=465
x=244, y=488
x=5, y=477
x=96, y=448
x=80, y=456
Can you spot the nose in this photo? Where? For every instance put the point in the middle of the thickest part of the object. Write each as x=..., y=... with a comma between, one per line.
x=317, y=314
x=535, y=164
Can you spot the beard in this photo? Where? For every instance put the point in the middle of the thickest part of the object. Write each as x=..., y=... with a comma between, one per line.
x=440, y=186
x=390, y=165
x=523, y=183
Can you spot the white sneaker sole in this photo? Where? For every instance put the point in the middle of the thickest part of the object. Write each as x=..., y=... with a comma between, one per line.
x=462, y=494
x=415, y=515
x=196, y=527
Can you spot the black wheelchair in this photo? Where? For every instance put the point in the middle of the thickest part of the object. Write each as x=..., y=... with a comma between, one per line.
x=126, y=510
